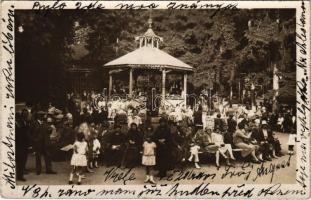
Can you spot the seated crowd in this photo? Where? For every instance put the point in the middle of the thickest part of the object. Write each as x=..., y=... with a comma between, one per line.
x=128, y=138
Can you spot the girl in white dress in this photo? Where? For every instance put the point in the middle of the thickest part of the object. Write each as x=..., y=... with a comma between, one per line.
x=78, y=159
x=148, y=158
x=194, y=154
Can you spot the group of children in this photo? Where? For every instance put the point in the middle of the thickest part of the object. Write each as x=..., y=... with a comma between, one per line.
x=79, y=159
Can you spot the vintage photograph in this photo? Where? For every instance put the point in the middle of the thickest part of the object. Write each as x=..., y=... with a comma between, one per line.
x=107, y=97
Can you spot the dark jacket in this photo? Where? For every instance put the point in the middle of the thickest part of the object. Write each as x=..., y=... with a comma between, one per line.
x=22, y=134
x=258, y=134
x=135, y=136
x=231, y=125
x=40, y=134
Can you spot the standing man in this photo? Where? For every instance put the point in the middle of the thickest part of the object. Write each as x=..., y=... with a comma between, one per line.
x=22, y=143
x=41, y=143
x=218, y=122
x=232, y=124
x=162, y=138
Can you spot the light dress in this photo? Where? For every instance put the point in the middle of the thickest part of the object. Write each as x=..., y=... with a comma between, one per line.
x=148, y=158
x=291, y=139
x=194, y=153
x=96, y=146
x=78, y=157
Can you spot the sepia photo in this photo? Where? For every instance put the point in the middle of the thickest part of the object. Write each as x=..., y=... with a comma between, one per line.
x=155, y=99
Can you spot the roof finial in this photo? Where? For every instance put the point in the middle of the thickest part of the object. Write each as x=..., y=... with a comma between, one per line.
x=150, y=18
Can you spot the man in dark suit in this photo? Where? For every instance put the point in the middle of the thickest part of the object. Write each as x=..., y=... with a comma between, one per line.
x=276, y=145
x=41, y=143
x=22, y=143
x=218, y=122
x=261, y=136
x=232, y=124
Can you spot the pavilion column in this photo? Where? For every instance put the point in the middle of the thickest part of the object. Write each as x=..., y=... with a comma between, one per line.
x=131, y=82
x=110, y=84
x=185, y=88
x=163, y=83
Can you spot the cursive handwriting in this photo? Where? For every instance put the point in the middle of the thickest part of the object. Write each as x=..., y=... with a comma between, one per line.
x=271, y=169
x=276, y=190
x=119, y=191
x=238, y=191
x=36, y=191
x=8, y=141
x=201, y=190
x=179, y=175
x=199, y=5
x=72, y=192
x=303, y=103
x=230, y=172
x=131, y=6
x=116, y=174
x=8, y=46
x=57, y=5
x=155, y=190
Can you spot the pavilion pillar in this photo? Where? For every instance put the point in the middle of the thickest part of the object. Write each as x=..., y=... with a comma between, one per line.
x=110, y=84
x=131, y=82
x=163, y=83
x=185, y=88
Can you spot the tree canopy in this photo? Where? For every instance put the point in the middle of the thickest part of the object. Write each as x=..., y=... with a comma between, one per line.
x=219, y=48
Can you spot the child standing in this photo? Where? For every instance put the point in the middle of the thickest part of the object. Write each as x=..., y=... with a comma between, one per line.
x=96, y=152
x=194, y=153
x=148, y=158
x=78, y=160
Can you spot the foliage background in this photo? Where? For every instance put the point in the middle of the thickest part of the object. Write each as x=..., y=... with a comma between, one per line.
x=234, y=42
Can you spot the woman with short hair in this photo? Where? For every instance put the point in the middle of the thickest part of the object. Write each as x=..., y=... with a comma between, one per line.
x=242, y=140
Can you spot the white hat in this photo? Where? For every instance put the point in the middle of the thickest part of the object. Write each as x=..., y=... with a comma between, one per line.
x=264, y=122
x=69, y=116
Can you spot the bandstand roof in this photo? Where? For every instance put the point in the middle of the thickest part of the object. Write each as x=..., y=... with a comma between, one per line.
x=149, y=57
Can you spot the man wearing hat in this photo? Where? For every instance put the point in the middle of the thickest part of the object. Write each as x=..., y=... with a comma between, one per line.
x=261, y=136
x=276, y=145
x=41, y=143
x=22, y=143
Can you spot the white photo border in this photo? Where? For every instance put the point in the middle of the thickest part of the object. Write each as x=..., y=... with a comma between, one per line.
x=9, y=189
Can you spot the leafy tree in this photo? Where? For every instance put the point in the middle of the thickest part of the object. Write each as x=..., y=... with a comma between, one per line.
x=219, y=48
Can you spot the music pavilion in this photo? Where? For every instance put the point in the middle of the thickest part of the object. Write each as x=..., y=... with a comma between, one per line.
x=149, y=57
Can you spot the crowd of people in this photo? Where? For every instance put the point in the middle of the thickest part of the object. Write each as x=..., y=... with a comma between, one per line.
x=120, y=133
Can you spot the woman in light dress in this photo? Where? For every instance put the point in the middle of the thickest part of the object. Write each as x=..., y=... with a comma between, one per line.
x=224, y=149
x=243, y=140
